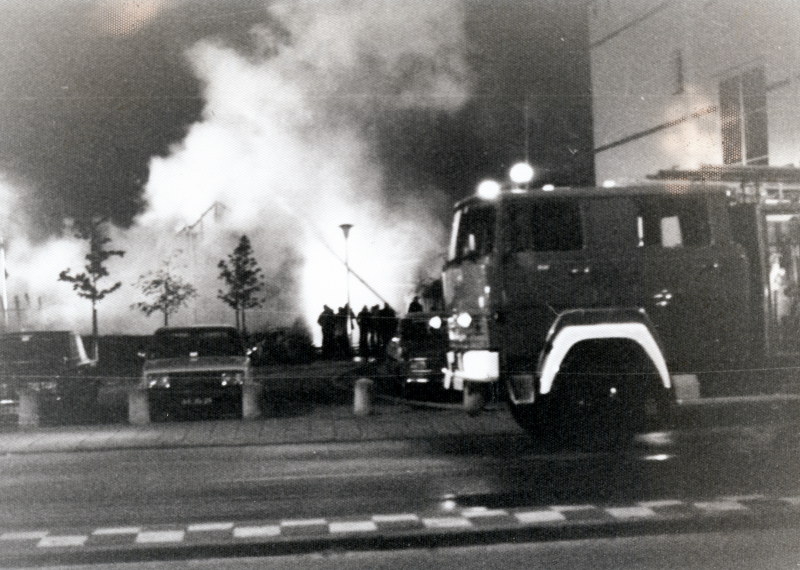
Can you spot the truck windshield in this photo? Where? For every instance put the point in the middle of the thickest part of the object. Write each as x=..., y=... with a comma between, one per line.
x=473, y=232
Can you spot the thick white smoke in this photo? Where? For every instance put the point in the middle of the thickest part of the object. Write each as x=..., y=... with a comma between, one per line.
x=285, y=154
x=283, y=145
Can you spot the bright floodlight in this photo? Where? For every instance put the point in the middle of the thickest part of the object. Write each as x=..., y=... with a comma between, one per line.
x=488, y=189
x=521, y=173
x=548, y=187
x=609, y=184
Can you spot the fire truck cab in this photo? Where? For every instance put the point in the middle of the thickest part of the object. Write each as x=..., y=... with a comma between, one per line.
x=592, y=303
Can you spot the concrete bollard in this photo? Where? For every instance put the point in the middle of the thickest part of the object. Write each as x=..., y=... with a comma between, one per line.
x=687, y=387
x=251, y=400
x=362, y=401
x=138, y=407
x=28, y=410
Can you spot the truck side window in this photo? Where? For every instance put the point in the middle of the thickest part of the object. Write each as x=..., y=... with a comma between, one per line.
x=543, y=225
x=673, y=221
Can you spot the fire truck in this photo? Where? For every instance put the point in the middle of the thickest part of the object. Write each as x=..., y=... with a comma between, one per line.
x=602, y=307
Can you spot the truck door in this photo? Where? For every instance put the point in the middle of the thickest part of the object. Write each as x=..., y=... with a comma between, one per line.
x=545, y=268
x=694, y=280
x=782, y=229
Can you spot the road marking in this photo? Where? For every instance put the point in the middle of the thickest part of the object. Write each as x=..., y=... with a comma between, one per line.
x=157, y=536
x=352, y=526
x=720, y=506
x=631, y=512
x=257, y=531
x=208, y=527
x=402, y=517
x=541, y=516
x=463, y=519
x=446, y=522
x=62, y=541
x=572, y=508
x=478, y=512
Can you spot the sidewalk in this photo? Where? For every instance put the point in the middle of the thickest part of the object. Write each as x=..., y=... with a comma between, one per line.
x=323, y=418
x=314, y=404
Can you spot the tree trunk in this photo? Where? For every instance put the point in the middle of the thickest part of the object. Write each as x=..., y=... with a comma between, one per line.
x=95, y=348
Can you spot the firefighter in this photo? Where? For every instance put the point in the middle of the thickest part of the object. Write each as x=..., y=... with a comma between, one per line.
x=364, y=320
x=327, y=322
x=415, y=306
x=386, y=326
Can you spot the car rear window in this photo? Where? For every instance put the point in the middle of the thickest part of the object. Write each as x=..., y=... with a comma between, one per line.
x=33, y=347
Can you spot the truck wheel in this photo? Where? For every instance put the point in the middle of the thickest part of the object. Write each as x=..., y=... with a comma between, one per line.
x=640, y=405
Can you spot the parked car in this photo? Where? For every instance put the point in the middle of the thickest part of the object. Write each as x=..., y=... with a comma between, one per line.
x=417, y=353
x=282, y=345
x=196, y=369
x=53, y=365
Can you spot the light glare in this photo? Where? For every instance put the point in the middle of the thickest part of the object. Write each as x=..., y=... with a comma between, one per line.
x=488, y=189
x=521, y=173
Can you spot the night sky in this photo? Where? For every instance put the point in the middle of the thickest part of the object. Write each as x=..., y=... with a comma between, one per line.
x=90, y=96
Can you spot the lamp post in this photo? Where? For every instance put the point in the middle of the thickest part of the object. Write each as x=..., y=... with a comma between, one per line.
x=346, y=232
x=4, y=291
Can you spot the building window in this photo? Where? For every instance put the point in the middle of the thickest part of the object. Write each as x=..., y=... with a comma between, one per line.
x=743, y=109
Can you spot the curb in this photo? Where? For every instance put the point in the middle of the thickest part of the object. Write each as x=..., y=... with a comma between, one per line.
x=475, y=525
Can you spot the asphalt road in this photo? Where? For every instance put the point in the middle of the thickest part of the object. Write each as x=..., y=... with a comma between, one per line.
x=718, y=459
x=158, y=486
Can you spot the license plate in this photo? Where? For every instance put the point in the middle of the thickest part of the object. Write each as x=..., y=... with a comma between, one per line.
x=197, y=401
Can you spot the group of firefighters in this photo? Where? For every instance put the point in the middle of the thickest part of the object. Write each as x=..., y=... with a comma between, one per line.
x=376, y=326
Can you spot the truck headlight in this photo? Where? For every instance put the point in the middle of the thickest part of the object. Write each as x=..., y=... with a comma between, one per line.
x=464, y=320
x=232, y=379
x=158, y=381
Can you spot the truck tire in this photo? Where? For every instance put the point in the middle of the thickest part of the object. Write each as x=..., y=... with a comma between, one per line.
x=560, y=420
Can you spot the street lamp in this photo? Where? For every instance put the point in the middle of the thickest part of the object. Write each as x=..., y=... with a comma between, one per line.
x=4, y=288
x=346, y=232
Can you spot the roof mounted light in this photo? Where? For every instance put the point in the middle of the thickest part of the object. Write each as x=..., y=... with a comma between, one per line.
x=521, y=173
x=609, y=184
x=548, y=187
x=488, y=189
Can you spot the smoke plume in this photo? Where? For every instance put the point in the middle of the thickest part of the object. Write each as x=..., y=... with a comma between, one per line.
x=285, y=152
